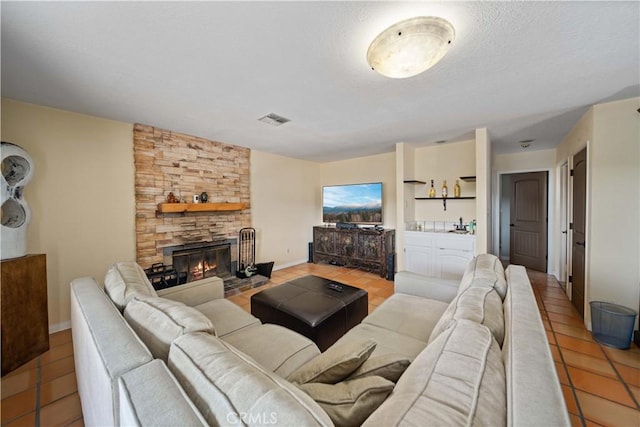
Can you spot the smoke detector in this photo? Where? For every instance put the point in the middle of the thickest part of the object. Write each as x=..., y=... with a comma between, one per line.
x=274, y=119
x=526, y=143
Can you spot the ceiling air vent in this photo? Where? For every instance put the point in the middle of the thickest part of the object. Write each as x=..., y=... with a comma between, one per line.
x=274, y=119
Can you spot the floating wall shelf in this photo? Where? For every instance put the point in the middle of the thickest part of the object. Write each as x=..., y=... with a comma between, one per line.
x=468, y=178
x=199, y=207
x=413, y=181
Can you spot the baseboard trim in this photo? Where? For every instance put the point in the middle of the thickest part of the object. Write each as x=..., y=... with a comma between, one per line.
x=59, y=327
x=289, y=264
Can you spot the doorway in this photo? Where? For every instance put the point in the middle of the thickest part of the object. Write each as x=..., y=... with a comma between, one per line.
x=524, y=206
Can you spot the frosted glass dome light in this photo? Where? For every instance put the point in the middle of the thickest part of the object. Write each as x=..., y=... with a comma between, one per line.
x=410, y=47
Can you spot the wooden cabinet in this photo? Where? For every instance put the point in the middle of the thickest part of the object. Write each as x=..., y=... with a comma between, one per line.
x=438, y=254
x=25, y=319
x=357, y=247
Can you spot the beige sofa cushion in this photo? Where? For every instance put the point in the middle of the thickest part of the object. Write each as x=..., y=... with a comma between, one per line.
x=335, y=364
x=124, y=280
x=158, y=321
x=458, y=379
x=479, y=304
x=229, y=388
x=349, y=403
x=278, y=349
x=485, y=270
x=388, y=366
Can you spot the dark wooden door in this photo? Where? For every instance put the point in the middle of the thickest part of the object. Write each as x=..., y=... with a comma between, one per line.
x=528, y=220
x=578, y=240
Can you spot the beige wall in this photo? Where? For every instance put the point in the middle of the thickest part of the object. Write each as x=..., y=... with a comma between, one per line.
x=483, y=192
x=611, y=133
x=81, y=196
x=285, y=205
x=378, y=168
x=439, y=162
x=526, y=161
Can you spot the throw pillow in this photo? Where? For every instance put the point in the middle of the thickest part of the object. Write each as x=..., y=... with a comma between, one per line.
x=335, y=364
x=349, y=403
x=158, y=321
x=485, y=270
x=388, y=366
x=124, y=280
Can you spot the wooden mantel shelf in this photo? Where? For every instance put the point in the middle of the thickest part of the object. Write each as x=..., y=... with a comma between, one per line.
x=199, y=207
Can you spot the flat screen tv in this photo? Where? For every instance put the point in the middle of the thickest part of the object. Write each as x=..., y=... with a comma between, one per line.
x=353, y=203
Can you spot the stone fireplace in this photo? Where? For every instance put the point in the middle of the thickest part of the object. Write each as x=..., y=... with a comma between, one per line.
x=184, y=165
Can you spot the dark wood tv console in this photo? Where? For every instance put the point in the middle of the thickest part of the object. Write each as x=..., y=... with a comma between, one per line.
x=366, y=248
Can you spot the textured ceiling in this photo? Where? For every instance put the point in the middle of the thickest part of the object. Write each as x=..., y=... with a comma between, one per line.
x=524, y=70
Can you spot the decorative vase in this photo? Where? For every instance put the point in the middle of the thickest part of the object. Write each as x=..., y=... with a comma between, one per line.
x=204, y=197
x=17, y=171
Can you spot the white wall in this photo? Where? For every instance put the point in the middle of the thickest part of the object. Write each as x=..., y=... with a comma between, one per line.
x=286, y=203
x=81, y=196
x=377, y=168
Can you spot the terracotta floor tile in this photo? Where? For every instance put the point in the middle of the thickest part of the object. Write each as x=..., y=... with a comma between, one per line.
x=572, y=331
x=57, y=369
x=376, y=300
x=61, y=412
x=625, y=357
x=28, y=420
x=60, y=338
x=562, y=373
x=58, y=388
x=570, y=400
x=18, y=405
x=564, y=319
x=18, y=383
x=547, y=324
x=598, y=385
x=239, y=299
x=576, y=421
x=32, y=364
x=606, y=412
x=581, y=346
x=552, y=308
x=56, y=353
x=551, y=338
x=77, y=423
x=371, y=308
x=588, y=363
x=629, y=375
x=246, y=307
x=636, y=393
x=555, y=353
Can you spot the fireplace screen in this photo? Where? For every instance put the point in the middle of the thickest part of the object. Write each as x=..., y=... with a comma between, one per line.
x=202, y=262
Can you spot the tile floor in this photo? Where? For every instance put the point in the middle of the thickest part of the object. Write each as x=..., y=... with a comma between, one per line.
x=601, y=385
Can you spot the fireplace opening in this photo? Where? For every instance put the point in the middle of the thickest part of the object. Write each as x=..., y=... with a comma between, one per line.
x=205, y=260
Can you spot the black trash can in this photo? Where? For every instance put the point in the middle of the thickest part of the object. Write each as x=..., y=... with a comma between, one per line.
x=612, y=324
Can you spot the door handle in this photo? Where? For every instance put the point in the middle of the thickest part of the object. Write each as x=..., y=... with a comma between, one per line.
x=564, y=231
x=581, y=244
x=512, y=225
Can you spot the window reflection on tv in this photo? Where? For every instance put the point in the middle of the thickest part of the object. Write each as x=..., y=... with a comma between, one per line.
x=354, y=203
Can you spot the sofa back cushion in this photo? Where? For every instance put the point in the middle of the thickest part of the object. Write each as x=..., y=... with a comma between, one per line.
x=485, y=270
x=159, y=321
x=476, y=303
x=230, y=388
x=458, y=379
x=124, y=280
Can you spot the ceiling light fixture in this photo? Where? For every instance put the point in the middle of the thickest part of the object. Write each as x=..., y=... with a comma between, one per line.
x=410, y=47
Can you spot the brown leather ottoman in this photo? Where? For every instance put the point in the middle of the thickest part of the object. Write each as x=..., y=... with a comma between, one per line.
x=320, y=309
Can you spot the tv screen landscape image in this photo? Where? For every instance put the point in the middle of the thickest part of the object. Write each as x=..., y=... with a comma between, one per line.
x=354, y=203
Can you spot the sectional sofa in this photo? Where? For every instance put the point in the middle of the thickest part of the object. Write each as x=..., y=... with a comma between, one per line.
x=437, y=352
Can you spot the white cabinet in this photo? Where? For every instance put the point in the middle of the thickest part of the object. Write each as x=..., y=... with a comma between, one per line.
x=442, y=255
